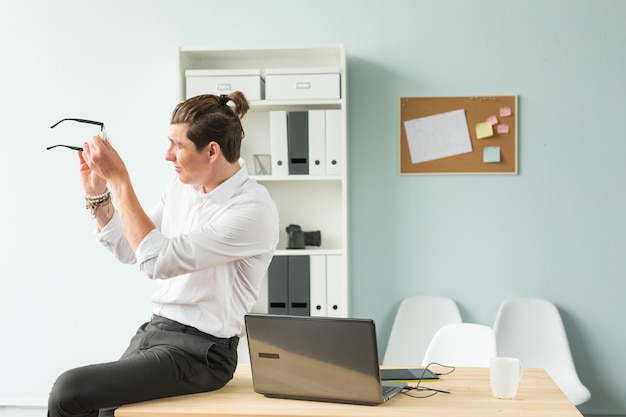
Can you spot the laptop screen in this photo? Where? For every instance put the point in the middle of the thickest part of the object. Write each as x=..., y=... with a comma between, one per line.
x=314, y=358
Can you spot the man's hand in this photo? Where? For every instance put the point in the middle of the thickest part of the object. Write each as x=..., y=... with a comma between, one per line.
x=99, y=164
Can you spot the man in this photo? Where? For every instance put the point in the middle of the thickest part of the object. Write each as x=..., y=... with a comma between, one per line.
x=207, y=245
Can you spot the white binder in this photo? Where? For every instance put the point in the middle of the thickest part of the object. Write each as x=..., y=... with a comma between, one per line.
x=318, y=285
x=333, y=142
x=317, y=142
x=336, y=288
x=278, y=142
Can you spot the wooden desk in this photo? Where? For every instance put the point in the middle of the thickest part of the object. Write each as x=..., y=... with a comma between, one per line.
x=469, y=387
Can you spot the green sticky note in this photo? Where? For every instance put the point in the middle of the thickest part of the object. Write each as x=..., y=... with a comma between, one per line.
x=491, y=154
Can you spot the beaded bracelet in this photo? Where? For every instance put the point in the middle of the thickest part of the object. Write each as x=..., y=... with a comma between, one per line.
x=97, y=197
x=94, y=202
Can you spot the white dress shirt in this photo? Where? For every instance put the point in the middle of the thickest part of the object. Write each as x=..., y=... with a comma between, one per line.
x=208, y=254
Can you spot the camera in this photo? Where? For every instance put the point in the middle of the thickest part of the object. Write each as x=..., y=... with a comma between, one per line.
x=299, y=239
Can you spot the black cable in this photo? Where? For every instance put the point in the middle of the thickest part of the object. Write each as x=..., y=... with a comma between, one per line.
x=431, y=391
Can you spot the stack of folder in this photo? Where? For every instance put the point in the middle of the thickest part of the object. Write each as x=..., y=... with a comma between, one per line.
x=306, y=142
x=303, y=285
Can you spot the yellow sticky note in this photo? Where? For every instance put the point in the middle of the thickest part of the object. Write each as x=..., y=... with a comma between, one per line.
x=484, y=130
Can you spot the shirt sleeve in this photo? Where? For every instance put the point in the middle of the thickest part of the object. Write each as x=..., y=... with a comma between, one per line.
x=112, y=237
x=240, y=231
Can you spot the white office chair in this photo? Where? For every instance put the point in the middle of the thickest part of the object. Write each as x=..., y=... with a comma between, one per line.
x=531, y=329
x=417, y=319
x=462, y=344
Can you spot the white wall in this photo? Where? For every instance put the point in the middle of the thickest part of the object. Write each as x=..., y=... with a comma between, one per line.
x=556, y=230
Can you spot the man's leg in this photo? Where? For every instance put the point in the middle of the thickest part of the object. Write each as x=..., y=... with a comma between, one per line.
x=165, y=363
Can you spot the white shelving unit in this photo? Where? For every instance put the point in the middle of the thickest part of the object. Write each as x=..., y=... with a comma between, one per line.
x=317, y=202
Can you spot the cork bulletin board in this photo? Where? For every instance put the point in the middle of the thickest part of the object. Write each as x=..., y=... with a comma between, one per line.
x=458, y=135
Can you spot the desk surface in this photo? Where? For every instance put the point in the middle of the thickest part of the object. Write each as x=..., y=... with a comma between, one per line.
x=469, y=387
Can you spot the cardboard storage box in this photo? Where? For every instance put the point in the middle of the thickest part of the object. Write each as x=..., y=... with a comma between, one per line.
x=302, y=83
x=248, y=81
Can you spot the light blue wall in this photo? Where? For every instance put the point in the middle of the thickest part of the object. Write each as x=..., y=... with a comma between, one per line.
x=556, y=230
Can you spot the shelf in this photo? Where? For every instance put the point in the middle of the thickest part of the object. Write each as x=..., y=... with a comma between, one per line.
x=307, y=252
x=314, y=202
x=296, y=178
x=264, y=57
x=272, y=105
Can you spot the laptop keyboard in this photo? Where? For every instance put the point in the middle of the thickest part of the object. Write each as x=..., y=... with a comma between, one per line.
x=388, y=389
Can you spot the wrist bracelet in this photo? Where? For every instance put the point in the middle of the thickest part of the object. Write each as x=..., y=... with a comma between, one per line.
x=93, y=203
x=98, y=197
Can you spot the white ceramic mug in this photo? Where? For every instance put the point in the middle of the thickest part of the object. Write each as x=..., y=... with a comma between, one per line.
x=505, y=374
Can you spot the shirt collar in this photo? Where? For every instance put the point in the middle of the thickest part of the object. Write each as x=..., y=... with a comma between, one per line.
x=228, y=188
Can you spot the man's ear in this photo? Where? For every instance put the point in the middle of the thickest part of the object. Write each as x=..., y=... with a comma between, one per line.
x=213, y=149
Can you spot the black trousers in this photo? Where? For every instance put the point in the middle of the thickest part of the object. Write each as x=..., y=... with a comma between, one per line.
x=164, y=359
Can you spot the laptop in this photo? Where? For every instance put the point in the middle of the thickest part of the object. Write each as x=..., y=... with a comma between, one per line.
x=317, y=359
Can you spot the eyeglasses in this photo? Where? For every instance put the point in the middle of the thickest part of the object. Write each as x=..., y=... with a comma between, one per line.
x=78, y=148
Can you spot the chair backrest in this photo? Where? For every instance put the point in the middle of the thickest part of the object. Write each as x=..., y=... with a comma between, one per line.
x=462, y=344
x=417, y=319
x=532, y=330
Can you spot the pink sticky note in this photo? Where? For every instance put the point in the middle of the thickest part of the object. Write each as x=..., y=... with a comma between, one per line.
x=493, y=120
x=502, y=128
x=505, y=111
